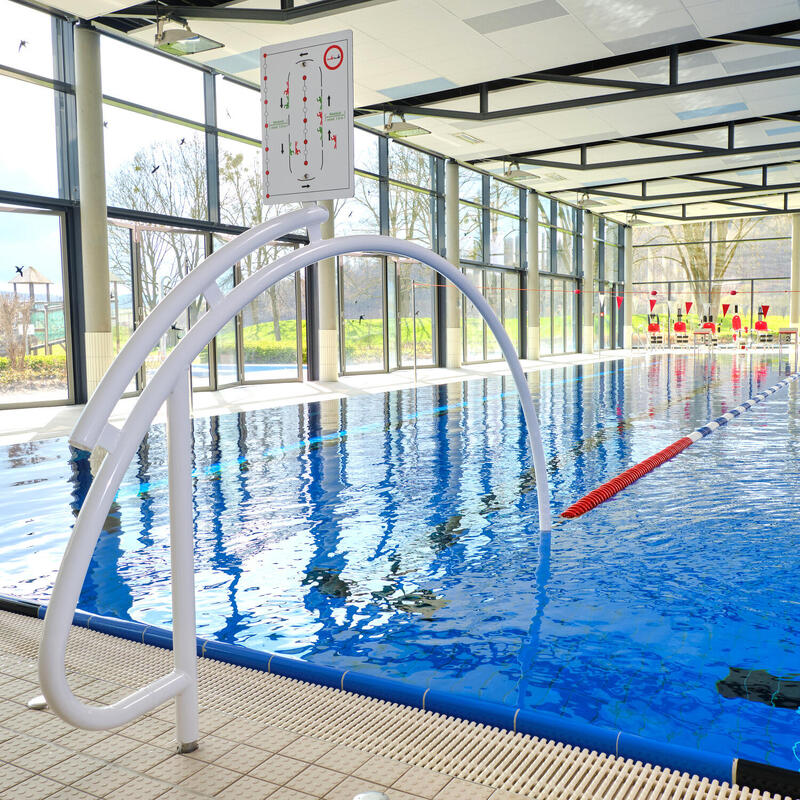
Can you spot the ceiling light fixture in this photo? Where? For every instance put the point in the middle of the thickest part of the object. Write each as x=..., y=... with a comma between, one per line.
x=514, y=172
x=181, y=40
x=585, y=201
x=468, y=137
x=402, y=128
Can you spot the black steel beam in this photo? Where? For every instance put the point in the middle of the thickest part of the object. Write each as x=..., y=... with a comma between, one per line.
x=701, y=148
x=706, y=175
x=286, y=14
x=649, y=160
x=743, y=199
x=609, y=190
x=677, y=196
x=737, y=204
x=649, y=138
x=587, y=80
x=716, y=181
x=402, y=107
x=750, y=210
x=593, y=66
x=702, y=217
x=754, y=38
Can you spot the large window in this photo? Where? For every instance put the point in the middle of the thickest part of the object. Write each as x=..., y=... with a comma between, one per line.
x=267, y=340
x=183, y=175
x=608, y=278
x=490, y=229
x=388, y=305
x=31, y=129
x=559, y=248
x=34, y=340
x=416, y=313
x=362, y=318
x=501, y=290
x=713, y=270
x=558, y=316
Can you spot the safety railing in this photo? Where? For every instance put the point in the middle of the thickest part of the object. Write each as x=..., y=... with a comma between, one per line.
x=170, y=384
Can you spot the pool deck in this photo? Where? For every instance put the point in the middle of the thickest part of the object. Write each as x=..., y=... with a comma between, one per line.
x=264, y=736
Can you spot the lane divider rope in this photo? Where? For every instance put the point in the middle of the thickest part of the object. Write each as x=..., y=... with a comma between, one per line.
x=625, y=479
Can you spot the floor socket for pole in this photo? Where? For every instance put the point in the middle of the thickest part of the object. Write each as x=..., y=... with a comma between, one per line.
x=37, y=703
x=187, y=747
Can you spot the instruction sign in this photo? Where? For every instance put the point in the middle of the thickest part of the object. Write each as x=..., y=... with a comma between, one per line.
x=307, y=118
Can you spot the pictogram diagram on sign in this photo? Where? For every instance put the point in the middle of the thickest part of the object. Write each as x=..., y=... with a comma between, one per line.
x=307, y=117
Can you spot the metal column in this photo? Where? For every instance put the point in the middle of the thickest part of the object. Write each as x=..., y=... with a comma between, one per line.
x=94, y=230
x=532, y=295
x=327, y=308
x=627, y=293
x=453, y=302
x=794, y=301
x=587, y=291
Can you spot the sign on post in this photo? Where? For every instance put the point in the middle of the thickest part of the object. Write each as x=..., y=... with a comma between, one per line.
x=307, y=118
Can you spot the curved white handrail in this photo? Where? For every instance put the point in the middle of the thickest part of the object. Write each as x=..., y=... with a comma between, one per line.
x=167, y=385
x=91, y=428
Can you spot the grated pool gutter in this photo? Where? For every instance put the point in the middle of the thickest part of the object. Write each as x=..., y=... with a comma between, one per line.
x=543, y=725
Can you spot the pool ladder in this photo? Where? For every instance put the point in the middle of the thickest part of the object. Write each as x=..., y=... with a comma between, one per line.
x=171, y=384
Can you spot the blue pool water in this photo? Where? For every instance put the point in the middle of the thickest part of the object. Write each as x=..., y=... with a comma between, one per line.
x=398, y=535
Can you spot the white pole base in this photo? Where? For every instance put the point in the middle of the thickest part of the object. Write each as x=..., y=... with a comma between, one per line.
x=37, y=703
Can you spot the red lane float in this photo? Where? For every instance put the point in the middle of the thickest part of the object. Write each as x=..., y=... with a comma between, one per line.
x=609, y=489
x=624, y=479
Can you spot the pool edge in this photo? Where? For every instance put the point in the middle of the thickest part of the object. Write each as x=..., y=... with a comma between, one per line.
x=729, y=769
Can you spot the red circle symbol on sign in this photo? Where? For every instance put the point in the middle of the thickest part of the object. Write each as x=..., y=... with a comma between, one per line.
x=333, y=57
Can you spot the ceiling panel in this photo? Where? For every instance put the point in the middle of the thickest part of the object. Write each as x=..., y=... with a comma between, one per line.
x=406, y=48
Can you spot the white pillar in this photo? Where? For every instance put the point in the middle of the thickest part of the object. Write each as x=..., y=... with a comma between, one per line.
x=532, y=295
x=587, y=293
x=94, y=221
x=627, y=297
x=327, y=308
x=453, y=297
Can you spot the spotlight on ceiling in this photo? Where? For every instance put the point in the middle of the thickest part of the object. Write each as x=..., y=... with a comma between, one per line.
x=181, y=40
x=402, y=128
x=633, y=218
x=514, y=172
x=585, y=201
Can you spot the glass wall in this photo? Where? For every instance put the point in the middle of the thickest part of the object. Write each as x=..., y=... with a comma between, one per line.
x=608, y=284
x=559, y=256
x=35, y=218
x=34, y=341
x=713, y=270
x=182, y=157
x=362, y=317
x=379, y=324
x=490, y=234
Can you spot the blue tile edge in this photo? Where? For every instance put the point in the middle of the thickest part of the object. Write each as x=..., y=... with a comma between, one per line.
x=518, y=720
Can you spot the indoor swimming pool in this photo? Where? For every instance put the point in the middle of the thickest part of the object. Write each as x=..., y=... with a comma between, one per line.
x=397, y=534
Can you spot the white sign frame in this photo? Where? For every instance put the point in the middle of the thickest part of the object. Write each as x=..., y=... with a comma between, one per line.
x=307, y=119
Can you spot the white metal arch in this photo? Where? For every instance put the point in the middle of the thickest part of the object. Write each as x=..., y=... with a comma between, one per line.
x=171, y=384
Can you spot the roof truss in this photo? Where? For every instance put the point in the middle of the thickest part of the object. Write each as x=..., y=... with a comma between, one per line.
x=693, y=212
x=724, y=187
x=662, y=139
x=425, y=105
x=288, y=13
